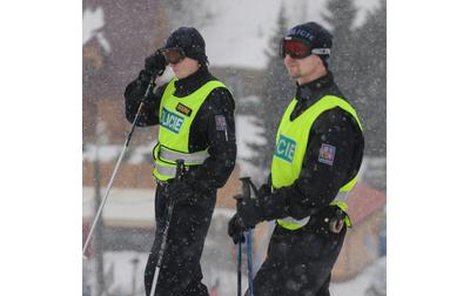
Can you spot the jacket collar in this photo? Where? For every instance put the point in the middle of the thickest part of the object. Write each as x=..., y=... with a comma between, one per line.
x=313, y=89
x=191, y=83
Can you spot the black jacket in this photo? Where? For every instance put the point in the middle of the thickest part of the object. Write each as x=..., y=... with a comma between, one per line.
x=319, y=183
x=216, y=169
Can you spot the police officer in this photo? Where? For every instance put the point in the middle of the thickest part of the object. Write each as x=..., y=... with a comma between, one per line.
x=194, y=112
x=318, y=153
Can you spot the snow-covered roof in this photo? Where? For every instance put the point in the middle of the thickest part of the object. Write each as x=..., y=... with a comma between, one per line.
x=93, y=22
x=247, y=132
x=129, y=207
x=133, y=207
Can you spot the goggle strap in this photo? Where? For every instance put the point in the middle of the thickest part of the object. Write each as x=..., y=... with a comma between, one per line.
x=321, y=51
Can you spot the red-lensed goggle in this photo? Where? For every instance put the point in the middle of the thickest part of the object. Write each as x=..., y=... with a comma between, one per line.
x=297, y=49
x=173, y=55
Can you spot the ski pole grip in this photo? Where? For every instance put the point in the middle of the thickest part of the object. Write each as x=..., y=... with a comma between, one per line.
x=246, y=192
x=247, y=185
x=149, y=87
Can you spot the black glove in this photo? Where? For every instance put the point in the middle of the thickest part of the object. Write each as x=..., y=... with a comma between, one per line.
x=236, y=228
x=181, y=191
x=247, y=217
x=155, y=63
x=248, y=210
x=264, y=190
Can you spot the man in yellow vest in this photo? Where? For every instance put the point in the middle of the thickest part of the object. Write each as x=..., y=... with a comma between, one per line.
x=318, y=153
x=194, y=112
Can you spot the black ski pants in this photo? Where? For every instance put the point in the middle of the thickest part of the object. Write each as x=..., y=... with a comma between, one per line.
x=299, y=262
x=180, y=273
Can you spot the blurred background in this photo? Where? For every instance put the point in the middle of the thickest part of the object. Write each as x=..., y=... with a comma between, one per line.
x=242, y=45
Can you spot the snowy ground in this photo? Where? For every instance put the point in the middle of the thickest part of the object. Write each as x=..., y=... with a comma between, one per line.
x=124, y=270
x=372, y=275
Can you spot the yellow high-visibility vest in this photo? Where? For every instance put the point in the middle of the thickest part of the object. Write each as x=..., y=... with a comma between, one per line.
x=291, y=145
x=176, y=117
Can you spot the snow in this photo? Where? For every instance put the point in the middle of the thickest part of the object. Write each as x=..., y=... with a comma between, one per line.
x=125, y=270
x=128, y=207
x=105, y=153
x=124, y=206
x=359, y=285
x=239, y=33
x=247, y=131
x=139, y=153
x=364, y=6
x=237, y=36
x=93, y=22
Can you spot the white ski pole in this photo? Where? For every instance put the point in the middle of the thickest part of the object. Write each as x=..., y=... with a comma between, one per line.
x=116, y=167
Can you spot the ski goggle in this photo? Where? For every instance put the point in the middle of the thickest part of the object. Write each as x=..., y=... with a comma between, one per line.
x=298, y=49
x=173, y=55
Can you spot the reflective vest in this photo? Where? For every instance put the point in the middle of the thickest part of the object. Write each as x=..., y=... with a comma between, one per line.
x=176, y=117
x=291, y=145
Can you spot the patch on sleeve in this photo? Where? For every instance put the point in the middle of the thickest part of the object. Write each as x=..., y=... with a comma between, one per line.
x=327, y=154
x=220, y=123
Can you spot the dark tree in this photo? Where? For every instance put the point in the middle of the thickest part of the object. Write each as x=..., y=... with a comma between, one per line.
x=372, y=93
x=278, y=89
x=340, y=15
x=358, y=64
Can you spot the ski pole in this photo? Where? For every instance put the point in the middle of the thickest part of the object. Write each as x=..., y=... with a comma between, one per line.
x=171, y=205
x=239, y=270
x=116, y=167
x=249, y=251
x=247, y=185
